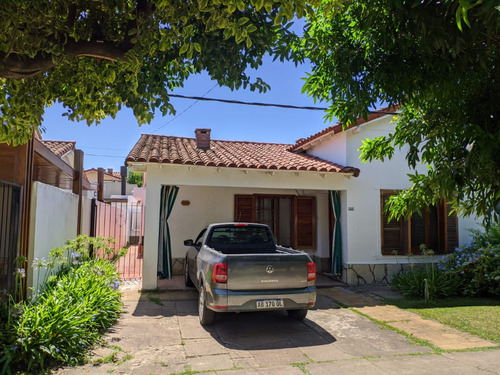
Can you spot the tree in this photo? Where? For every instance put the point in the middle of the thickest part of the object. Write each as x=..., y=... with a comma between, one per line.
x=134, y=178
x=97, y=56
x=440, y=62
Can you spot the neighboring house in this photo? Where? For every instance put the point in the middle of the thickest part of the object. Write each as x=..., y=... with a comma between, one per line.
x=41, y=201
x=112, y=182
x=316, y=195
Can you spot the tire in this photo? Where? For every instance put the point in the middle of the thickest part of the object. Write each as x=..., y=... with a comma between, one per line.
x=297, y=314
x=187, y=279
x=206, y=316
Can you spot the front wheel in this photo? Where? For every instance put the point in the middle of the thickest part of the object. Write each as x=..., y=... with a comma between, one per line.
x=187, y=278
x=297, y=314
x=206, y=316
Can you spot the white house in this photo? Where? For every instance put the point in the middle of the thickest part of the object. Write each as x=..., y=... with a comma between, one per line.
x=316, y=195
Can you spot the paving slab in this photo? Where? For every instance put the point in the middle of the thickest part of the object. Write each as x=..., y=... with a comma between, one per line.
x=425, y=364
x=211, y=362
x=345, y=367
x=484, y=360
x=444, y=337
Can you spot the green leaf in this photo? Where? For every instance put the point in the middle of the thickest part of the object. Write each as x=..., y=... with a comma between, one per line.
x=184, y=48
x=240, y=4
x=242, y=21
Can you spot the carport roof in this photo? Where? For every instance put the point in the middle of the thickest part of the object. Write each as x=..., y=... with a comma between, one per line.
x=232, y=154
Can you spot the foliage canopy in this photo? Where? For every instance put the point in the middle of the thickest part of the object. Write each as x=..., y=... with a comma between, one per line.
x=438, y=61
x=96, y=57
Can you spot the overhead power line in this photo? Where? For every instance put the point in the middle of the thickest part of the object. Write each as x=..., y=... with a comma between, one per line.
x=287, y=106
x=185, y=110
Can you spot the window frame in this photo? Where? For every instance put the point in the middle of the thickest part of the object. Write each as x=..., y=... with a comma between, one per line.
x=446, y=229
x=297, y=224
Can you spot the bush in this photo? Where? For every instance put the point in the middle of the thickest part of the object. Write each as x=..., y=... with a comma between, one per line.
x=62, y=322
x=426, y=282
x=477, y=264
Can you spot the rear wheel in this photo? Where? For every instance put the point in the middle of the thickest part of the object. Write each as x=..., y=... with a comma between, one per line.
x=297, y=314
x=206, y=316
x=187, y=278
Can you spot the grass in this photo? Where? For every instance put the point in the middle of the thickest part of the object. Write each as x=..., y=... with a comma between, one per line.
x=478, y=316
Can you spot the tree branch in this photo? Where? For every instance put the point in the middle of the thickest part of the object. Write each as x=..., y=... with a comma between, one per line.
x=20, y=67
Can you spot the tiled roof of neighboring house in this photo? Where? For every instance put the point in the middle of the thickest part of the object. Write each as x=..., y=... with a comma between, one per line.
x=60, y=148
x=301, y=144
x=233, y=154
x=108, y=176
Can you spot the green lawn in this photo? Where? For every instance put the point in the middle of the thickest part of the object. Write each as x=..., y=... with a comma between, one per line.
x=478, y=316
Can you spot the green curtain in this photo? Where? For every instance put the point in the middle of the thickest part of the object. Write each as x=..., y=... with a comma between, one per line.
x=167, y=200
x=336, y=268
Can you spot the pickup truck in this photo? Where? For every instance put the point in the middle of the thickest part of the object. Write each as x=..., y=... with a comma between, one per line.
x=238, y=267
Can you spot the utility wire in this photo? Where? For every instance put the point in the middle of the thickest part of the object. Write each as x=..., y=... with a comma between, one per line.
x=287, y=106
x=175, y=118
x=106, y=156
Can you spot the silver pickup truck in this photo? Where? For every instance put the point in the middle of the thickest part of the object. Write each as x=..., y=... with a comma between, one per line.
x=238, y=267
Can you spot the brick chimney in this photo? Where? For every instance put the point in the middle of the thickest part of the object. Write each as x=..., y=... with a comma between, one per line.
x=203, y=138
x=110, y=170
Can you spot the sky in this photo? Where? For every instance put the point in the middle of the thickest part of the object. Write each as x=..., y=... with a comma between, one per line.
x=106, y=145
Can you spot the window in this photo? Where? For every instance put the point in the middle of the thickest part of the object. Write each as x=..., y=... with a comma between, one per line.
x=292, y=219
x=435, y=228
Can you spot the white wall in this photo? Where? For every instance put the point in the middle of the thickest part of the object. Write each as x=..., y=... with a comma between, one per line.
x=362, y=199
x=86, y=214
x=333, y=149
x=53, y=221
x=115, y=188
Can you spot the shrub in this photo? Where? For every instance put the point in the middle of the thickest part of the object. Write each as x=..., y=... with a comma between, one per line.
x=477, y=263
x=426, y=281
x=63, y=321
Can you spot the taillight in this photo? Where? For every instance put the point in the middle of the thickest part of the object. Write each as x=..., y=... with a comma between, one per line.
x=311, y=271
x=220, y=273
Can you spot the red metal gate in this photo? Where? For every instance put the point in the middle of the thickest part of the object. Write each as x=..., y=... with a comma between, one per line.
x=124, y=221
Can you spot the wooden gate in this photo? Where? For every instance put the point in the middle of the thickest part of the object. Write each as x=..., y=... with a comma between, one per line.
x=124, y=221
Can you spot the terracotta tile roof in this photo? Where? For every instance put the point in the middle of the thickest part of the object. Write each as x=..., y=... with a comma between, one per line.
x=60, y=148
x=232, y=154
x=301, y=144
x=113, y=176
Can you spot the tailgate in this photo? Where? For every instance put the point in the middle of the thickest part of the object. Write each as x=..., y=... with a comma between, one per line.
x=258, y=271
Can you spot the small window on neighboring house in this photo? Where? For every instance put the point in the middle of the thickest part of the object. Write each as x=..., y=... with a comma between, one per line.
x=435, y=227
x=291, y=218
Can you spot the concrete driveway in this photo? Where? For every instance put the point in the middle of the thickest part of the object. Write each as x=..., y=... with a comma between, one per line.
x=160, y=334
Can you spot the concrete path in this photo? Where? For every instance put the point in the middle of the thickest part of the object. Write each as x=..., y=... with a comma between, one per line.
x=160, y=334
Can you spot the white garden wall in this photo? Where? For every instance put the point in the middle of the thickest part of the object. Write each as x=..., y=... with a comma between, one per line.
x=53, y=221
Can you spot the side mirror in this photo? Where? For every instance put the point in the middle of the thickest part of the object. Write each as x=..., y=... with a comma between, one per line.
x=188, y=242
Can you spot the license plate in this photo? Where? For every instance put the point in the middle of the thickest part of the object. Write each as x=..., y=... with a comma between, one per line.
x=270, y=303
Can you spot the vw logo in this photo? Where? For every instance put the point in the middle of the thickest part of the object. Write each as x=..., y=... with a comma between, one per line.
x=269, y=269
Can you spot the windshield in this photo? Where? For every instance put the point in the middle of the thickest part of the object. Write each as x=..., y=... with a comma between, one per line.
x=243, y=235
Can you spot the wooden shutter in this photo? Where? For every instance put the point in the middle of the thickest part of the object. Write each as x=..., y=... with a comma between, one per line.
x=243, y=208
x=304, y=223
x=394, y=232
x=451, y=229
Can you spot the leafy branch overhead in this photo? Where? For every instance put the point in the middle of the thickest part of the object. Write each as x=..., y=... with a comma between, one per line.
x=436, y=60
x=97, y=56
x=439, y=62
